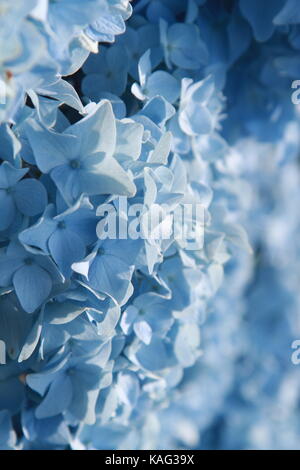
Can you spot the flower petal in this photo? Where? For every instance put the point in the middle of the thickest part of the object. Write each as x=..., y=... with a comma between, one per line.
x=66, y=248
x=33, y=285
x=30, y=197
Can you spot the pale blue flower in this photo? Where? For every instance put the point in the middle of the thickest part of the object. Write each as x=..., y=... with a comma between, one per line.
x=106, y=72
x=32, y=276
x=83, y=162
x=65, y=236
x=26, y=195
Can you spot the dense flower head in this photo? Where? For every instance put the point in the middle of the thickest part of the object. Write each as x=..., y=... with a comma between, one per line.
x=149, y=325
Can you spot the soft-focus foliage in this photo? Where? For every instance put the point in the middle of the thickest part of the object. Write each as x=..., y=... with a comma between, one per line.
x=149, y=343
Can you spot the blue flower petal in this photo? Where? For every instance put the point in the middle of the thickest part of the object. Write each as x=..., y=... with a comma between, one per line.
x=7, y=209
x=66, y=248
x=30, y=197
x=51, y=406
x=32, y=285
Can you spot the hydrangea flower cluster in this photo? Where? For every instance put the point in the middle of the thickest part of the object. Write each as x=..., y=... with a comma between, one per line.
x=147, y=340
x=49, y=39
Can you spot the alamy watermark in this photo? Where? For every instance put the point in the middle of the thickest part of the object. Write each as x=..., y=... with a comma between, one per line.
x=122, y=220
x=295, y=357
x=296, y=94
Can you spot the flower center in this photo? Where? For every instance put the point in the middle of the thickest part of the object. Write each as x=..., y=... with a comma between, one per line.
x=61, y=224
x=75, y=163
